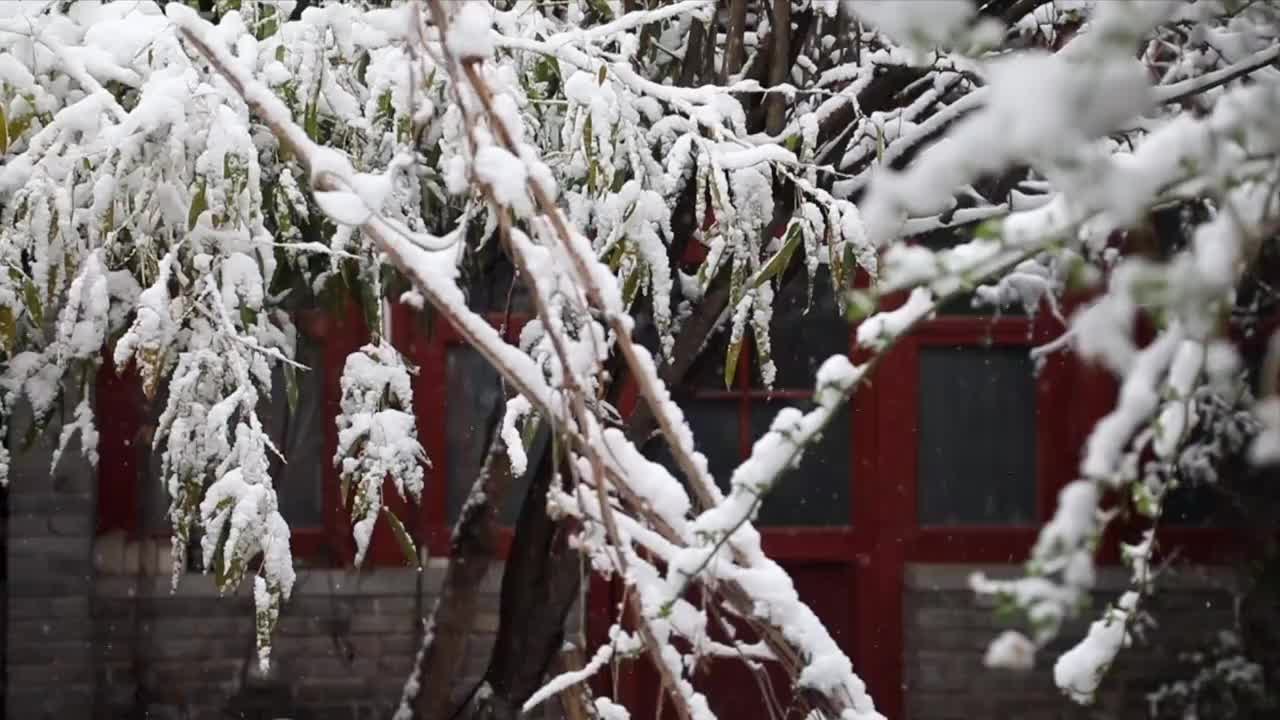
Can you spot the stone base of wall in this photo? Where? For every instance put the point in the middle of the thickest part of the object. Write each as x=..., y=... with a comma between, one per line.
x=947, y=631
x=344, y=646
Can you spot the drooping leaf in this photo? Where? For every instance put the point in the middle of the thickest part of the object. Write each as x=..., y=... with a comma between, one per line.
x=31, y=297
x=402, y=537
x=199, y=204
x=778, y=263
x=731, y=362
x=8, y=330
x=291, y=386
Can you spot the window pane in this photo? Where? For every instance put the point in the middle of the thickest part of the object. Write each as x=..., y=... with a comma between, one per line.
x=152, y=496
x=707, y=371
x=299, y=435
x=802, y=341
x=715, y=433
x=816, y=492
x=474, y=408
x=977, y=441
x=489, y=280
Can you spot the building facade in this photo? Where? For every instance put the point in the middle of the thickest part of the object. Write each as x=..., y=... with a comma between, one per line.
x=946, y=463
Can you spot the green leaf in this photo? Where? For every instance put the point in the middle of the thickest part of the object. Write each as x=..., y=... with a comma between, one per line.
x=402, y=537
x=31, y=295
x=988, y=230
x=529, y=433
x=731, y=363
x=311, y=120
x=604, y=73
x=291, y=387
x=781, y=259
x=859, y=304
x=8, y=329
x=601, y=9
x=222, y=571
x=199, y=204
x=269, y=24
x=4, y=130
x=17, y=126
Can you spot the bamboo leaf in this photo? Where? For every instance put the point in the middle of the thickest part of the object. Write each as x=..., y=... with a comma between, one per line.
x=199, y=204
x=291, y=387
x=31, y=295
x=8, y=329
x=311, y=120
x=402, y=537
x=781, y=259
x=731, y=362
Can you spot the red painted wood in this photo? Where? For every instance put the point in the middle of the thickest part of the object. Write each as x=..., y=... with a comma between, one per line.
x=118, y=401
x=897, y=421
x=971, y=544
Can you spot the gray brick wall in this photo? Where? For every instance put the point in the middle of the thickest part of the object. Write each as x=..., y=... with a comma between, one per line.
x=343, y=648
x=947, y=631
x=92, y=629
x=49, y=546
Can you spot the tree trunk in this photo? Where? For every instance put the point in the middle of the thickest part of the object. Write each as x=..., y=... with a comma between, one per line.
x=471, y=554
x=735, y=53
x=776, y=118
x=691, y=67
x=539, y=587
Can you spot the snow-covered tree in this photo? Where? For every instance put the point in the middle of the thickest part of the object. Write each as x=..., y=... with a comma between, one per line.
x=171, y=179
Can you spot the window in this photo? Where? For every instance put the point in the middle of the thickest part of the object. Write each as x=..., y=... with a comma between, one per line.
x=459, y=399
x=474, y=408
x=299, y=434
x=977, y=436
x=726, y=422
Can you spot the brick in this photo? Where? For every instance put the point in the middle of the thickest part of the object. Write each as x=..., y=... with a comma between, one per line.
x=28, y=608
x=50, y=503
x=383, y=624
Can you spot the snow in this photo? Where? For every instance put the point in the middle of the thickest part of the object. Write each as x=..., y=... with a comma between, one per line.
x=1080, y=670
x=1139, y=399
x=377, y=436
x=469, y=35
x=162, y=215
x=924, y=22
x=879, y=330
x=1010, y=650
x=506, y=176
x=343, y=206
